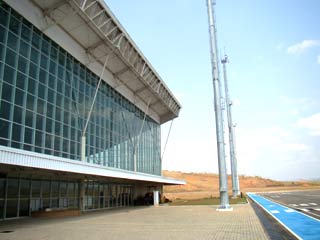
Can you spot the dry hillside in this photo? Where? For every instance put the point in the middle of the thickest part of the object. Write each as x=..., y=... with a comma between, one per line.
x=200, y=185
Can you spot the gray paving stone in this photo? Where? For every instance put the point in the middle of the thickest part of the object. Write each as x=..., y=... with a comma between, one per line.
x=164, y=222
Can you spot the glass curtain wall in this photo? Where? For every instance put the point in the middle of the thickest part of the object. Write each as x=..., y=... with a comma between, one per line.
x=21, y=196
x=106, y=195
x=45, y=96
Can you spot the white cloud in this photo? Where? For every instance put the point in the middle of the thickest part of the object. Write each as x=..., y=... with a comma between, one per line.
x=285, y=99
x=280, y=46
x=318, y=59
x=295, y=106
x=302, y=46
x=311, y=123
x=294, y=111
x=294, y=101
x=294, y=147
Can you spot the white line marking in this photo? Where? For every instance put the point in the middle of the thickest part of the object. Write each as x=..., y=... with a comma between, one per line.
x=305, y=210
x=293, y=205
x=313, y=204
x=289, y=210
x=274, y=211
x=317, y=209
x=304, y=204
x=278, y=220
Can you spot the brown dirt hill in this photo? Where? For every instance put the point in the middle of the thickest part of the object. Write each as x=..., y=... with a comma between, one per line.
x=201, y=185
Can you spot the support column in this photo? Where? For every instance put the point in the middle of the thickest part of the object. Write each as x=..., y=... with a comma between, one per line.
x=155, y=198
x=233, y=156
x=223, y=178
x=83, y=148
x=83, y=137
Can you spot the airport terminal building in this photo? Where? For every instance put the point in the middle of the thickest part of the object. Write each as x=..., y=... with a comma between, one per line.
x=80, y=110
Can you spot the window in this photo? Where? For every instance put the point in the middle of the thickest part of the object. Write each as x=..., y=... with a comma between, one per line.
x=28, y=135
x=4, y=129
x=30, y=101
x=40, y=107
x=44, y=61
x=53, y=52
x=11, y=57
x=22, y=64
x=12, y=41
x=7, y=92
x=5, y=110
x=21, y=80
x=14, y=25
x=2, y=50
x=35, y=55
x=31, y=86
x=41, y=91
x=29, y=118
x=16, y=132
x=52, y=81
x=48, y=141
x=48, y=125
x=50, y=109
x=3, y=17
x=39, y=123
x=19, y=97
x=33, y=70
x=25, y=33
x=24, y=49
x=36, y=40
x=38, y=138
x=17, y=114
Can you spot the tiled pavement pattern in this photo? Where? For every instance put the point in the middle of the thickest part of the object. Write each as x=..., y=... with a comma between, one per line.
x=185, y=222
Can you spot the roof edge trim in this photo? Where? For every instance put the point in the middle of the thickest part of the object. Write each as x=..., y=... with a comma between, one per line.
x=25, y=158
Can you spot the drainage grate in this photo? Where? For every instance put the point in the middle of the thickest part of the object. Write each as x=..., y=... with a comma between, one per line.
x=8, y=231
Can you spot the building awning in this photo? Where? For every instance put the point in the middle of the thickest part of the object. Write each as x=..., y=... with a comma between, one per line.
x=12, y=156
x=93, y=26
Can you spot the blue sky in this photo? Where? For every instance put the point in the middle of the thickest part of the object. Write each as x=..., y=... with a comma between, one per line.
x=274, y=69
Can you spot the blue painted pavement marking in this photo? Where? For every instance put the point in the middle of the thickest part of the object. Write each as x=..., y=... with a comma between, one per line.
x=299, y=224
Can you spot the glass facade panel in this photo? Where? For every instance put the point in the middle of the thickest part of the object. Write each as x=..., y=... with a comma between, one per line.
x=22, y=196
x=107, y=195
x=12, y=197
x=45, y=98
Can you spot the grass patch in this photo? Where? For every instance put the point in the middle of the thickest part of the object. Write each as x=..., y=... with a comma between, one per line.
x=206, y=201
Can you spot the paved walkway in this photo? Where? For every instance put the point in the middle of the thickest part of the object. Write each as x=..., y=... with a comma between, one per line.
x=300, y=225
x=165, y=222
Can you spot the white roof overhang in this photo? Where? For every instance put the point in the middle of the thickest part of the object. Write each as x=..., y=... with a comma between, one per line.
x=24, y=158
x=93, y=26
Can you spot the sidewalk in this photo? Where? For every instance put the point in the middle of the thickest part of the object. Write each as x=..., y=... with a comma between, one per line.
x=164, y=222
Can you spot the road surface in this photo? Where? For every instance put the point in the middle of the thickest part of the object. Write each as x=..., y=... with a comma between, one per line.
x=307, y=202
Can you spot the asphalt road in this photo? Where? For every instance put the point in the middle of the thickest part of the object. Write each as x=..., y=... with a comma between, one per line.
x=307, y=202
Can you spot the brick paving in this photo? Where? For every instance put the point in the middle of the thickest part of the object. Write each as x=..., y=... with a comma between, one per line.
x=164, y=222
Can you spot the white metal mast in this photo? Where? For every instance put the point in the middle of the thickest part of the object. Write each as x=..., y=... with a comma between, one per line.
x=223, y=178
x=233, y=156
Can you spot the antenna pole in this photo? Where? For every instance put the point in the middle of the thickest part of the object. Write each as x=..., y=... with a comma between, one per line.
x=223, y=178
x=233, y=156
